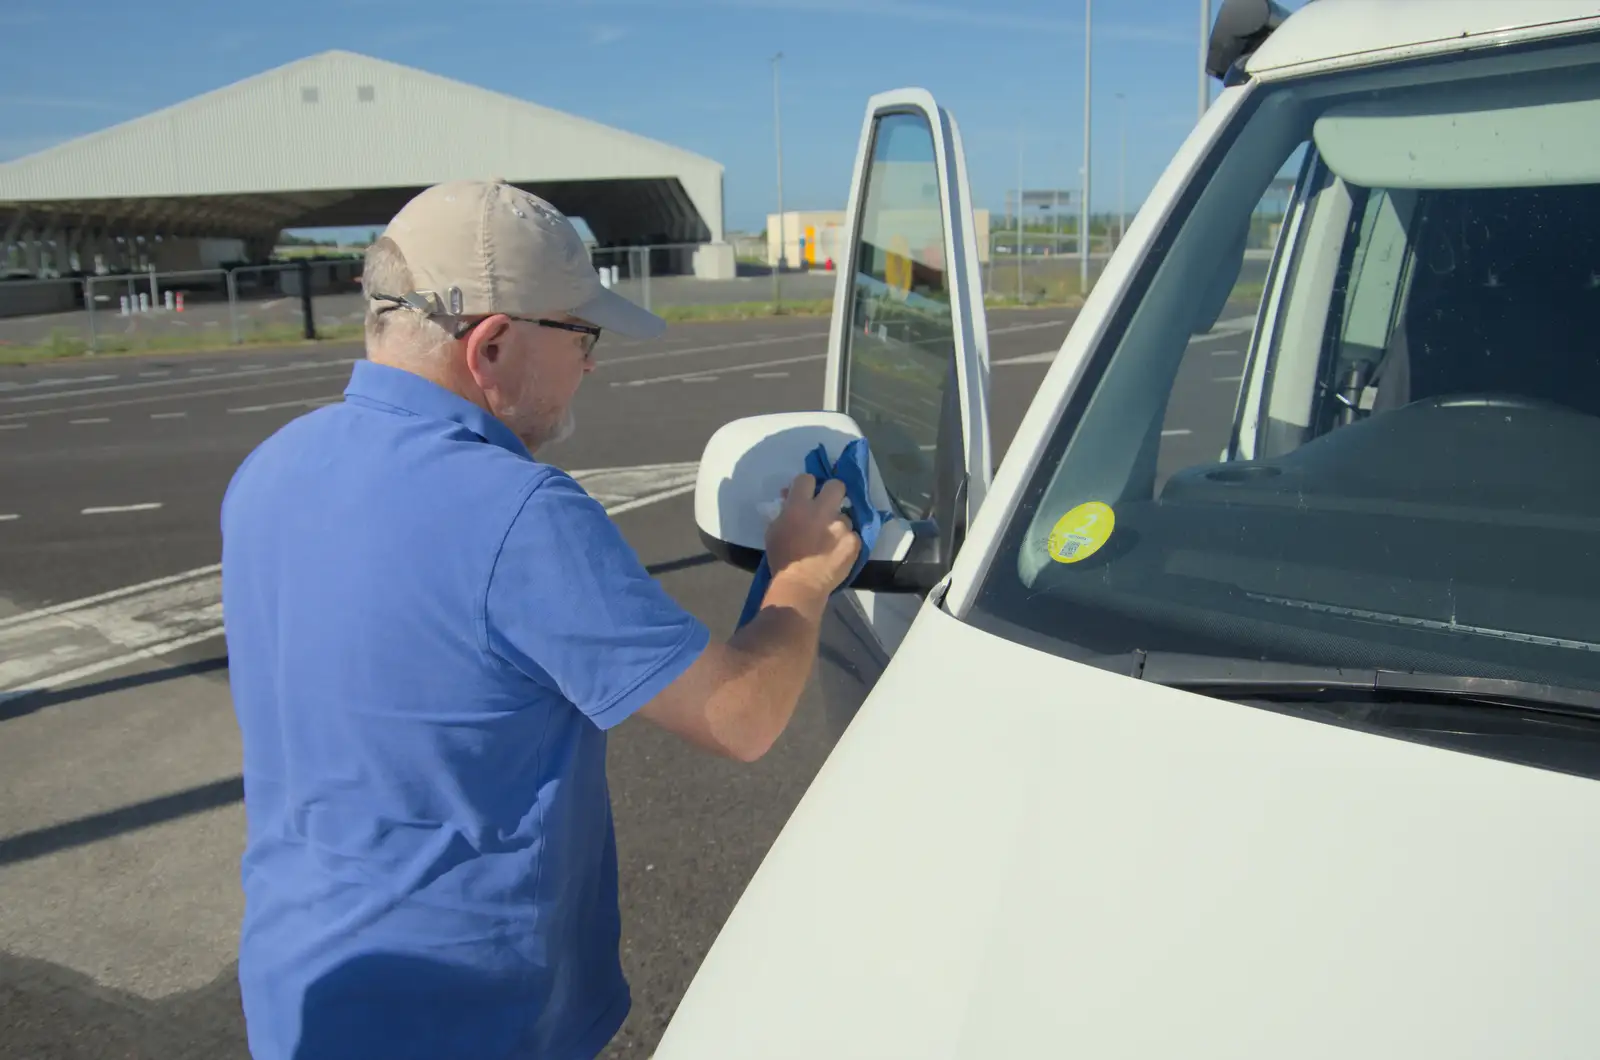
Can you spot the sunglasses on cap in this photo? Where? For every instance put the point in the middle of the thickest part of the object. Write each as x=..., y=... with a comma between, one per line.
x=428, y=304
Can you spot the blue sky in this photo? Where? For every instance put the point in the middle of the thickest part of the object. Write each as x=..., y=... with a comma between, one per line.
x=696, y=73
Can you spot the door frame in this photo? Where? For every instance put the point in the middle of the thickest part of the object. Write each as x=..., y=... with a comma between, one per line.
x=888, y=616
x=969, y=320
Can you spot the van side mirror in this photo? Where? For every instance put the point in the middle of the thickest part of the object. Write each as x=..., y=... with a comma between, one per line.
x=747, y=464
x=1242, y=26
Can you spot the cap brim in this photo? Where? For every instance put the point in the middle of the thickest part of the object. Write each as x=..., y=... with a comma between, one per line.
x=611, y=311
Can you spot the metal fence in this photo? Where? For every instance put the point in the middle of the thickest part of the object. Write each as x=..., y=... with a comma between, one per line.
x=294, y=301
x=661, y=278
x=194, y=309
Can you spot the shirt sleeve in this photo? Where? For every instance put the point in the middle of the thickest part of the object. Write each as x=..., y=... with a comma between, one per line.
x=570, y=605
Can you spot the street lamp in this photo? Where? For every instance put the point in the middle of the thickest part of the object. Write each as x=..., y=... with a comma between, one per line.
x=1020, y=197
x=777, y=128
x=1088, y=89
x=1122, y=166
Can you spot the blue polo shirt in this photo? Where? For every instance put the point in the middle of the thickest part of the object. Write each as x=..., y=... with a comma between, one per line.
x=429, y=634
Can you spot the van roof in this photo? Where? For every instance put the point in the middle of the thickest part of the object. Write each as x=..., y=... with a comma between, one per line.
x=1340, y=33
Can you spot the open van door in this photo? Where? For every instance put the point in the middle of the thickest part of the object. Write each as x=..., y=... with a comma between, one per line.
x=908, y=355
x=908, y=370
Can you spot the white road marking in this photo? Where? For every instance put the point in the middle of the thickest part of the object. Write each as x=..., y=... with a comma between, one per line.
x=10, y=518
x=1035, y=326
x=12, y=426
x=118, y=509
x=616, y=486
x=1226, y=353
x=54, y=647
x=656, y=355
x=1179, y=432
x=62, y=644
x=147, y=399
x=168, y=415
x=738, y=368
x=1225, y=330
x=92, y=419
x=1228, y=378
x=700, y=379
x=770, y=375
x=1043, y=357
x=298, y=403
x=592, y=477
x=653, y=498
x=155, y=375
x=123, y=387
x=8, y=387
x=774, y=340
x=114, y=594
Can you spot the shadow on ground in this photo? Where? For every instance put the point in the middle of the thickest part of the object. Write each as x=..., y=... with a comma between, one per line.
x=28, y=702
x=50, y=1013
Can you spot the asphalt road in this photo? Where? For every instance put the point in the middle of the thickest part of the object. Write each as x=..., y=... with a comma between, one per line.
x=120, y=816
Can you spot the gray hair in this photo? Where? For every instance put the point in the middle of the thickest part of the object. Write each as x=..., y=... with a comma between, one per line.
x=402, y=333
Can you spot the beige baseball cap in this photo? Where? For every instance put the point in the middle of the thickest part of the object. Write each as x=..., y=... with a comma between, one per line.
x=478, y=247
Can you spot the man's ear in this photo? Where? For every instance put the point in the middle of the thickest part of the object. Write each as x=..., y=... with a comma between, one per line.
x=484, y=345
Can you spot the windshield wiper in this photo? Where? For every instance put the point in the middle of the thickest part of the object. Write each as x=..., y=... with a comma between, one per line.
x=1219, y=676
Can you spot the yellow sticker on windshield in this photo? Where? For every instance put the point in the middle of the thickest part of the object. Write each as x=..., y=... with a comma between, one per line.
x=1080, y=533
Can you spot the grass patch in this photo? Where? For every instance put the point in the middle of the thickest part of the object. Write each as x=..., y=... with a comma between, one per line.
x=63, y=344
x=1064, y=291
x=1050, y=292
x=819, y=307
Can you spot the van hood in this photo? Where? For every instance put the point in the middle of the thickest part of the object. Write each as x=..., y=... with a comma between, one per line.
x=1010, y=854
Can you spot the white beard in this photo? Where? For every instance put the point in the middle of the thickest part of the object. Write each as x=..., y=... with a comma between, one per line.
x=564, y=429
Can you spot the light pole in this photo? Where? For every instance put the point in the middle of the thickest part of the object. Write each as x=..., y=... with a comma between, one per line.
x=777, y=128
x=1205, y=46
x=1122, y=166
x=1020, y=186
x=1088, y=111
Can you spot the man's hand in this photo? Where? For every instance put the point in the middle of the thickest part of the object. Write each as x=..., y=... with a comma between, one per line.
x=738, y=697
x=811, y=544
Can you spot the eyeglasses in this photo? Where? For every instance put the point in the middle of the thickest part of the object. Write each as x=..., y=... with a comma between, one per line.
x=563, y=325
x=428, y=304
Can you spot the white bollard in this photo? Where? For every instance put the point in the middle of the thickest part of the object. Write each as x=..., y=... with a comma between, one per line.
x=169, y=301
x=124, y=310
x=616, y=275
x=144, y=302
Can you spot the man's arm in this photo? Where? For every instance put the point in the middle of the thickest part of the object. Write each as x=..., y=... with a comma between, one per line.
x=737, y=698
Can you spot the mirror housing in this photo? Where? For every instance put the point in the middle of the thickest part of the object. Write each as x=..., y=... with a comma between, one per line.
x=1242, y=26
x=746, y=465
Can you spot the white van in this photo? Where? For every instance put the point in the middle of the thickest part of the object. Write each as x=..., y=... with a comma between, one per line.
x=1252, y=708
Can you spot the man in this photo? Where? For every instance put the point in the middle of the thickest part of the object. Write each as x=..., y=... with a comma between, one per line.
x=429, y=634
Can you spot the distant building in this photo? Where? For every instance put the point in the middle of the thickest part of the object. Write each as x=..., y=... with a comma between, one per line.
x=813, y=237
x=338, y=140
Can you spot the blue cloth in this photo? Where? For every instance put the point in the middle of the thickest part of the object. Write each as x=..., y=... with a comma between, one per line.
x=852, y=470
x=428, y=634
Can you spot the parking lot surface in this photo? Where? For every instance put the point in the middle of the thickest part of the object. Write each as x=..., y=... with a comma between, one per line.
x=120, y=814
